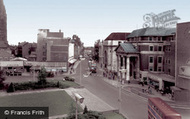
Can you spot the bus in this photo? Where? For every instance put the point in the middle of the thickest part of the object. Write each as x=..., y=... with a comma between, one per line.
x=158, y=109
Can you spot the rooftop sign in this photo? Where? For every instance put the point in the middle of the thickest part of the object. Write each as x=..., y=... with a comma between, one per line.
x=165, y=19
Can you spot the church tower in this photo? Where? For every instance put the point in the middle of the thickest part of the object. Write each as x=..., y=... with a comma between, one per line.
x=3, y=26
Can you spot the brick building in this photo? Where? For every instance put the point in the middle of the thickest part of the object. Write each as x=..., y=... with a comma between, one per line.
x=156, y=60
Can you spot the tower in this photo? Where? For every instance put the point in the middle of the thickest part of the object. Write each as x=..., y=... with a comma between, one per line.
x=3, y=26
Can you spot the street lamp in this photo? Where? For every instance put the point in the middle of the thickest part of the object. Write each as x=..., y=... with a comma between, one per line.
x=80, y=99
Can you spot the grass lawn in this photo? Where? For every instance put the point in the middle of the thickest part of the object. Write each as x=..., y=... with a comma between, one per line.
x=113, y=115
x=59, y=102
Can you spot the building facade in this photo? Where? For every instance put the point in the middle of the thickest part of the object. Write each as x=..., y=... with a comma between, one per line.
x=182, y=92
x=27, y=50
x=109, y=46
x=154, y=63
x=3, y=26
x=52, y=47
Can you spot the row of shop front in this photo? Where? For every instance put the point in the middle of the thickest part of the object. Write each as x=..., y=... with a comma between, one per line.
x=159, y=81
x=17, y=68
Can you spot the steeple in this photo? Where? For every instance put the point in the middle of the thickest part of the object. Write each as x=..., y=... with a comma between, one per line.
x=3, y=26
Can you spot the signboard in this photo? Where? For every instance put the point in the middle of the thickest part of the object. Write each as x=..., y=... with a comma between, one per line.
x=165, y=19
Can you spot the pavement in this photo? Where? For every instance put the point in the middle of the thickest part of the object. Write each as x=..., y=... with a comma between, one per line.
x=90, y=100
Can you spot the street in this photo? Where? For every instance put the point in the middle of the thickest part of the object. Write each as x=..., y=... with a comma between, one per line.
x=132, y=106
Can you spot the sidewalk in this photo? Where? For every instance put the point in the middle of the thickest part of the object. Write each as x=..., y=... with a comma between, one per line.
x=90, y=100
x=136, y=88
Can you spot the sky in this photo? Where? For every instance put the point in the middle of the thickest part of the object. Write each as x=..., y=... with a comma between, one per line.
x=91, y=20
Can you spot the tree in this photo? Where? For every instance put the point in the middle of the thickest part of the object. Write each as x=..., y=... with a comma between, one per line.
x=2, y=78
x=42, y=76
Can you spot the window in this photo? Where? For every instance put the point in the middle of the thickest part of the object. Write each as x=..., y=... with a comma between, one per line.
x=150, y=68
x=159, y=59
x=159, y=48
x=150, y=59
x=159, y=39
x=151, y=48
x=150, y=38
x=159, y=69
x=169, y=71
x=168, y=61
x=169, y=49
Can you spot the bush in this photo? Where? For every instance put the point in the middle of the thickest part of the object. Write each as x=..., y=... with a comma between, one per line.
x=35, y=85
x=11, y=88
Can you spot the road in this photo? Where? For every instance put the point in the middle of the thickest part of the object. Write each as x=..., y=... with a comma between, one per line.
x=132, y=106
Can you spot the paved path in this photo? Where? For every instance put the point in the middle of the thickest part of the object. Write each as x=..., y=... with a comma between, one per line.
x=90, y=100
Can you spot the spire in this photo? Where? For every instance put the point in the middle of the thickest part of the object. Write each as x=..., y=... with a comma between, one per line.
x=3, y=26
x=2, y=9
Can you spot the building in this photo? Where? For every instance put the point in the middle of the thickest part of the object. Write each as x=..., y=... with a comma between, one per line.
x=154, y=62
x=182, y=89
x=101, y=55
x=3, y=28
x=52, y=47
x=127, y=61
x=109, y=46
x=6, y=55
x=27, y=50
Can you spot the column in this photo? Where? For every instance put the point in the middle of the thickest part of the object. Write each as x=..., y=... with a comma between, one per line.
x=128, y=68
x=138, y=68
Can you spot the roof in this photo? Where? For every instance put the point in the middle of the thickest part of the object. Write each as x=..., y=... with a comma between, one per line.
x=117, y=36
x=127, y=48
x=163, y=107
x=153, y=32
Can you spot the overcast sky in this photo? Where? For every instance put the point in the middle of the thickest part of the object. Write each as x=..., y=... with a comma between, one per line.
x=89, y=19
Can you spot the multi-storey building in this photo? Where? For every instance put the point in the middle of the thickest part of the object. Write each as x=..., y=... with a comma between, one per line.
x=156, y=48
x=3, y=26
x=52, y=47
x=182, y=92
x=109, y=45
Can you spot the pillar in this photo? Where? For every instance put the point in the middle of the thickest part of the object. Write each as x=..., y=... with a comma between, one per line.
x=138, y=68
x=128, y=69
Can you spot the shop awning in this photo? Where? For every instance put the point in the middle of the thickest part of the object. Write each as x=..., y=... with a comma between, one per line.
x=18, y=59
x=71, y=61
x=161, y=76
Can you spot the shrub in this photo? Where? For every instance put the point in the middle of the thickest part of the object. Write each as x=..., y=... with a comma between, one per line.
x=11, y=88
x=42, y=76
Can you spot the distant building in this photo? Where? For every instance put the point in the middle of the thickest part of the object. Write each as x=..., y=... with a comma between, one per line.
x=6, y=55
x=27, y=50
x=182, y=92
x=109, y=46
x=3, y=27
x=52, y=47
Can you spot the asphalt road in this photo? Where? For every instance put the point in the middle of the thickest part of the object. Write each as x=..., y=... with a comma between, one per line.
x=132, y=106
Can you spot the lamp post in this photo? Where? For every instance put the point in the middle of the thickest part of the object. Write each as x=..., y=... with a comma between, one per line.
x=80, y=99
